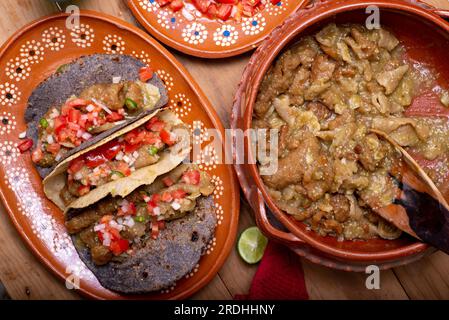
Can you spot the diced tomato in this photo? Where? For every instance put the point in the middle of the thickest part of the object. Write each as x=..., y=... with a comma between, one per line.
x=100, y=236
x=152, y=138
x=224, y=11
x=163, y=3
x=130, y=148
x=155, y=124
x=53, y=148
x=111, y=149
x=275, y=2
x=212, y=11
x=161, y=225
x=25, y=145
x=228, y=1
x=132, y=208
x=168, y=181
x=115, y=234
x=83, y=190
x=76, y=165
x=77, y=103
x=156, y=198
x=119, y=246
x=176, y=5
x=202, y=5
x=249, y=10
x=37, y=155
x=60, y=123
x=114, y=117
x=105, y=219
x=166, y=137
x=123, y=168
x=100, y=155
x=179, y=194
x=167, y=197
x=154, y=229
x=192, y=177
x=145, y=74
x=135, y=137
x=74, y=115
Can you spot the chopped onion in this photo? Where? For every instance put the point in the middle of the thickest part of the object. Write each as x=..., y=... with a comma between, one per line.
x=146, y=198
x=175, y=205
x=119, y=156
x=86, y=136
x=58, y=156
x=157, y=211
x=135, y=154
x=23, y=135
x=126, y=159
x=90, y=108
x=99, y=227
x=103, y=106
x=116, y=80
x=50, y=139
x=78, y=176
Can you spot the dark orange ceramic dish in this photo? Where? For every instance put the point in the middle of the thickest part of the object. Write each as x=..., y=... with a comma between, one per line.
x=34, y=53
x=191, y=32
x=425, y=36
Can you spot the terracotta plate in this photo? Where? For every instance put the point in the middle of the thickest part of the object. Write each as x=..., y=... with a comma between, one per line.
x=190, y=32
x=33, y=54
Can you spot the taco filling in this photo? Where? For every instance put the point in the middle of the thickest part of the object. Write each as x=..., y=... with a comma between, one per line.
x=119, y=158
x=115, y=226
x=98, y=108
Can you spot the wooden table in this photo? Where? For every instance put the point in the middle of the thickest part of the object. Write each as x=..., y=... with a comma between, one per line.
x=26, y=278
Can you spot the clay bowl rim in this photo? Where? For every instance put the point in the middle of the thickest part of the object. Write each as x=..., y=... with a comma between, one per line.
x=269, y=50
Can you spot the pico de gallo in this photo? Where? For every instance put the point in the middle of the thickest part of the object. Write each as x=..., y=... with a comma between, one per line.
x=119, y=157
x=220, y=9
x=113, y=227
x=98, y=108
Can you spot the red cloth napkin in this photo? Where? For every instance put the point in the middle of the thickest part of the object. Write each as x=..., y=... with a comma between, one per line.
x=279, y=277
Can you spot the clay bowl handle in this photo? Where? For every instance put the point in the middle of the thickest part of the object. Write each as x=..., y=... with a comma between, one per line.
x=266, y=227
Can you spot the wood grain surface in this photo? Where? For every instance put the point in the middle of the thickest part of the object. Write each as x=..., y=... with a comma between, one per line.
x=24, y=277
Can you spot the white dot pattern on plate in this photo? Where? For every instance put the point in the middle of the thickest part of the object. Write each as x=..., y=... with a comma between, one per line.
x=254, y=25
x=276, y=9
x=142, y=56
x=195, y=33
x=9, y=94
x=226, y=35
x=54, y=38
x=181, y=105
x=9, y=153
x=149, y=5
x=199, y=132
x=168, y=20
x=167, y=78
x=18, y=69
x=7, y=122
x=114, y=44
x=32, y=51
x=83, y=35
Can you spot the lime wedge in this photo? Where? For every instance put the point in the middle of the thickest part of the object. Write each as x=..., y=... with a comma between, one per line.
x=251, y=245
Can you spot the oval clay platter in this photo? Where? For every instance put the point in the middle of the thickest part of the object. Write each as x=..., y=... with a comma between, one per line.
x=36, y=52
x=192, y=33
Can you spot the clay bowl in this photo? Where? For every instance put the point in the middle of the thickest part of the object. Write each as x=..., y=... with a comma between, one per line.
x=428, y=46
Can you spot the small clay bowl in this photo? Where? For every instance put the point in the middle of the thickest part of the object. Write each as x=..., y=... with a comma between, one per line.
x=404, y=19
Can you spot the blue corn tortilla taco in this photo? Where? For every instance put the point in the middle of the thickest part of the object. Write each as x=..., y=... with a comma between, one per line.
x=151, y=238
x=87, y=100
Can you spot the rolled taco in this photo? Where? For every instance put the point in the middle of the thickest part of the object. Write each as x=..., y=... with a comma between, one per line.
x=118, y=164
x=87, y=100
x=151, y=238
